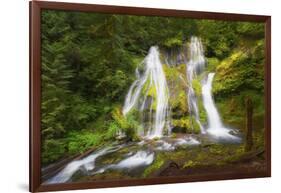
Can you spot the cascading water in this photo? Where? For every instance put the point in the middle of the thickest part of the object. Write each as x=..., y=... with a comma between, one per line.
x=88, y=163
x=194, y=67
x=216, y=127
x=213, y=115
x=149, y=94
x=138, y=159
x=156, y=106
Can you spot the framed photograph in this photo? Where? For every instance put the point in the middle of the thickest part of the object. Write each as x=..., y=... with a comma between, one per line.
x=123, y=96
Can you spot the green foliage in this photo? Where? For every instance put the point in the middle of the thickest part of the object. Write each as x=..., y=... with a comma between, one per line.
x=212, y=64
x=238, y=72
x=53, y=150
x=251, y=30
x=176, y=41
x=112, y=130
x=80, y=142
x=126, y=124
x=219, y=37
x=73, y=143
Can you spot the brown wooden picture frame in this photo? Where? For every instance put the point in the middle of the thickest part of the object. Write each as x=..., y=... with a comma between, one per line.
x=35, y=91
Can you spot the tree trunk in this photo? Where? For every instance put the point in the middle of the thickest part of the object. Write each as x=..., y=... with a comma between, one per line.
x=249, y=125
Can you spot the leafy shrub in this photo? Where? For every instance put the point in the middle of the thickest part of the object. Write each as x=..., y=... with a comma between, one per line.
x=78, y=142
x=126, y=124
x=53, y=150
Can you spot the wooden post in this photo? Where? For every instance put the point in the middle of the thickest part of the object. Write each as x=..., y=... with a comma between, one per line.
x=249, y=124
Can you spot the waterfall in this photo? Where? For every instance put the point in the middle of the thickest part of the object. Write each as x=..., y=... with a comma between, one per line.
x=152, y=77
x=216, y=127
x=194, y=67
x=213, y=115
x=154, y=107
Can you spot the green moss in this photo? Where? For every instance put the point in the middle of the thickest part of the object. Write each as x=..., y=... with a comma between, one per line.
x=187, y=124
x=152, y=91
x=173, y=135
x=196, y=85
x=177, y=84
x=171, y=73
x=216, y=149
x=196, y=126
x=189, y=164
x=179, y=104
x=156, y=165
x=184, y=122
x=202, y=112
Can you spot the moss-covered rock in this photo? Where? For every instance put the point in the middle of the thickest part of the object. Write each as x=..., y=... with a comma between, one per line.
x=177, y=84
x=186, y=125
x=189, y=164
x=156, y=165
x=196, y=85
x=195, y=126
x=182, y=125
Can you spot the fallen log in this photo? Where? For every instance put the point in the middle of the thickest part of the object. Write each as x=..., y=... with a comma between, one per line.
x=248, y=156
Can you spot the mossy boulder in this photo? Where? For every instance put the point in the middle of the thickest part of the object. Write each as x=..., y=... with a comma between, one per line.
x=196, y=85
x=186, y=125
x=177, y=84
x=155, y=166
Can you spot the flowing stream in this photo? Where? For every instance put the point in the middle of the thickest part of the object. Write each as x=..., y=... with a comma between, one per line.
x=87, y=163
x=134, y=158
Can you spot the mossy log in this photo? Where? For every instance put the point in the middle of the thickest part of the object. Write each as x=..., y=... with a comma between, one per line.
x=248, y=156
